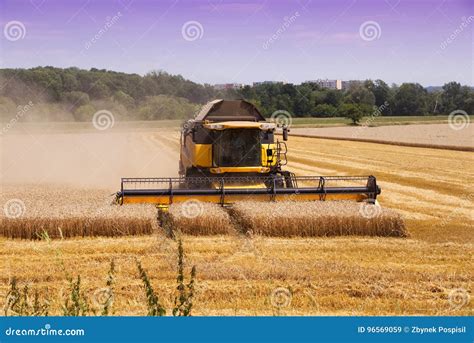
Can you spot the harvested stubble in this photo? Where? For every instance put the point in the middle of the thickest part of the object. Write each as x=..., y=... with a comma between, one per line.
x=63, y=212
x=203, y=219
x=316, y=218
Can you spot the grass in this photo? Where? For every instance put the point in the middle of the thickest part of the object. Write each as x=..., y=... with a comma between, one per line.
x=105, y=297
x=76, y=302
x=152, y=299
x=22, y=303
x=183, y=301
x=331, y=218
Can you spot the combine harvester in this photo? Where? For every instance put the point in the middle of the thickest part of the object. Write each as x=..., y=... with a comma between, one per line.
x=230, y=157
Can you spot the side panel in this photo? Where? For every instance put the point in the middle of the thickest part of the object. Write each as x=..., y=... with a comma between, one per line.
x=195, y=155
x=202, y=155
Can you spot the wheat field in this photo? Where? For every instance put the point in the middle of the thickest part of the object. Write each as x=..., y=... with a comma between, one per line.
x=32, y=211
x=325, y=218
x=194, y=217
x=237, y=274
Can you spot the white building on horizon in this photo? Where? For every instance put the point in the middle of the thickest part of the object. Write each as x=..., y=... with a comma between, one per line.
x=224, y=86
x=326, y=83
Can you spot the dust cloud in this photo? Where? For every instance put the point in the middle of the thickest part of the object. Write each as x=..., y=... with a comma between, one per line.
x=85, y=158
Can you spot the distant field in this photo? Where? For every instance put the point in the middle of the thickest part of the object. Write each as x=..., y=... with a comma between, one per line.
x=376, y=121
x=67, y=127
x=421, y=135
x=296, y=122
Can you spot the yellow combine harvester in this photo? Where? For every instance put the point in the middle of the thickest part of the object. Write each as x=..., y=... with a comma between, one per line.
x=229, y=153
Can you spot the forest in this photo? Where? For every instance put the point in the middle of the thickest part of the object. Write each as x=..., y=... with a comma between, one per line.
x=73, y=94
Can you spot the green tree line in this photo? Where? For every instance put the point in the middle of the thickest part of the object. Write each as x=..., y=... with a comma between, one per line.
x=76, y=94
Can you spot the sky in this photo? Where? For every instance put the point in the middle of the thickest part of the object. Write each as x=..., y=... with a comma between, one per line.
x=216, y=41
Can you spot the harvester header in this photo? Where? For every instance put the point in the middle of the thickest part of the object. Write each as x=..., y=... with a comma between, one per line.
x=223, y=190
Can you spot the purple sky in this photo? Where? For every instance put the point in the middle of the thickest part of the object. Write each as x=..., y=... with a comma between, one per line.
x=322, y=39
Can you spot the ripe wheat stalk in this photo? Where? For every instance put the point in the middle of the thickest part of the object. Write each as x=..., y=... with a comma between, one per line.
x=61, y=212
x=199, y=219
x=317, y=218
